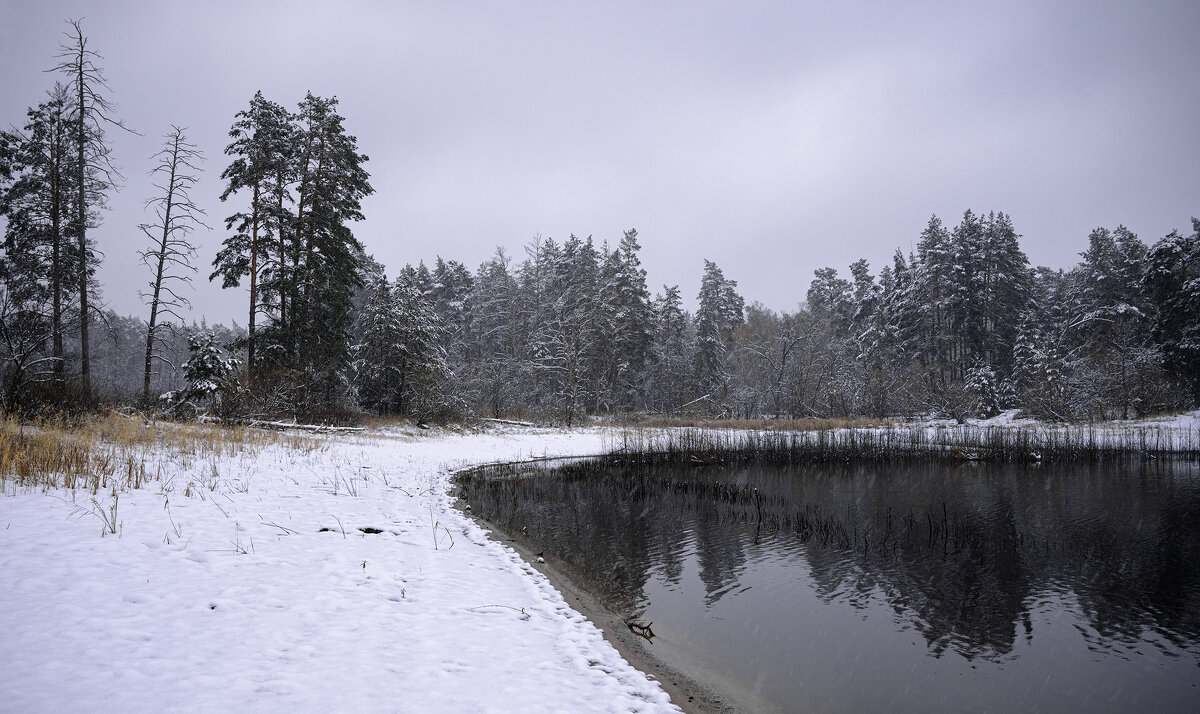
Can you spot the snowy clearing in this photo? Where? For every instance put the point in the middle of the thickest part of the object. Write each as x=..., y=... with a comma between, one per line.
x=247, y=583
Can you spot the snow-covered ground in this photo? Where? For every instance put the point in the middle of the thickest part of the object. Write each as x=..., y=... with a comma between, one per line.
x=1181, y=422
x=244, y=583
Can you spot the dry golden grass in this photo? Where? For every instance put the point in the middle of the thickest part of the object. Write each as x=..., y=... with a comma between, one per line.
x=116, y=451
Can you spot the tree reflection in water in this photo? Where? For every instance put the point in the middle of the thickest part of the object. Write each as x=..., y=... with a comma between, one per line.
x=961, y=553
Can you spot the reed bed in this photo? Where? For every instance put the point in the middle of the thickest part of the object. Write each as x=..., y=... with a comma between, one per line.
x=798, y=424
x=997, y=444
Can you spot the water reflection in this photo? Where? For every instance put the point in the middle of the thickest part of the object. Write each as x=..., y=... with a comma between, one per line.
x=1007, y=565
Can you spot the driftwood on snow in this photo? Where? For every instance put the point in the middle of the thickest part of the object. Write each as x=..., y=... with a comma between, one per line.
x=323, y=428
x=507, y=421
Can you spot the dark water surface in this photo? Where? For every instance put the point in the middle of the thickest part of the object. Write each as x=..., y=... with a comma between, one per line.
x=901, y=588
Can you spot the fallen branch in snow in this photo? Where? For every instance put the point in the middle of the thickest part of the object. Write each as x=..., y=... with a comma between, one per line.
x=320, y=428
x=681, y=407
x=508, y=421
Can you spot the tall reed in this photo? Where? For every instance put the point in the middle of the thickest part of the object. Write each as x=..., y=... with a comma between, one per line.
x=1004, y=444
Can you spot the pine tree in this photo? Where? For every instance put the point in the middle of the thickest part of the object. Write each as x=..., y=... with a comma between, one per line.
x=966, y=300
x=305, y=267
x=260, y=139
x=1041, y=370
x=831, y=305
x=327, y=257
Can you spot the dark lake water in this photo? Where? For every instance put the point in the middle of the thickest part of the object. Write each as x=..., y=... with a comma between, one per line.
x=908, y=588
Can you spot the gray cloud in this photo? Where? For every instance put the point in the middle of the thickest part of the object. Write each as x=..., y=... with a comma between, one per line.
x=774, y=138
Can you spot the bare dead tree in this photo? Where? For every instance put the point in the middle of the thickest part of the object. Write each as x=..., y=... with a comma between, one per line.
x=97, y=174
x=170, y=254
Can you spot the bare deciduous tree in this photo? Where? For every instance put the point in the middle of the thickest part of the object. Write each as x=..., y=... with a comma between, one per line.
x=170, y=254
x=96, y=172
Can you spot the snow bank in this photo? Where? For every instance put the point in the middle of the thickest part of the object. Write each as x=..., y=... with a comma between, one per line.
x=245, y=583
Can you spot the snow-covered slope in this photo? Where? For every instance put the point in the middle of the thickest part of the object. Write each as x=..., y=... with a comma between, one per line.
x=245, y=584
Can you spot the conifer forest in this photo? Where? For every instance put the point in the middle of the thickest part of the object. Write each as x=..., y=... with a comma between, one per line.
x=570, y=328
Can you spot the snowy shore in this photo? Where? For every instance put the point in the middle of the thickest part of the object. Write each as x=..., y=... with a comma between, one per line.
x=247, y=583
x=327, y=573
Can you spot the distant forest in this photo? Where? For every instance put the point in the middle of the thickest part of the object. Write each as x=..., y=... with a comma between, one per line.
x=962, y=326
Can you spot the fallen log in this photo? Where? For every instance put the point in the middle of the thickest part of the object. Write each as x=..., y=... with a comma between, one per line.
x=281, y=425
x=507, y=421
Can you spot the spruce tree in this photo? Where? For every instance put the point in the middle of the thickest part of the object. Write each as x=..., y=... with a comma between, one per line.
x=36, y=197
x=629, y=304
x=671, y=366
x=494, y=307
x=449, y=293
x=1172, y=283
x=930, y=298
x=720, y=311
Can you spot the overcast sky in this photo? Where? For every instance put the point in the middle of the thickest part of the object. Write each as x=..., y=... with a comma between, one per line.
x=771, y=137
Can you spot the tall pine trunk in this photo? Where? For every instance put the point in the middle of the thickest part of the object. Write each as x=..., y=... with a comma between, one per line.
x=56, y=236
x=281, y=279
x=85, y=371
x=253, y=282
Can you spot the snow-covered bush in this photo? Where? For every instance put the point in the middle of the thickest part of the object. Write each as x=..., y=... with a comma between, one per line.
x=993, y=395
x=211, y=376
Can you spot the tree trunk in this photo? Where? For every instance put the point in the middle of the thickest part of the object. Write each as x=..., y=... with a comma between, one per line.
x=56, y=270
x=158, y=273
x=282, y=277
x=253, y=284
x=85, y=371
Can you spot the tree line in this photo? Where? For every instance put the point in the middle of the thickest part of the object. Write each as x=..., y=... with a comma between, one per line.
x=960, y=326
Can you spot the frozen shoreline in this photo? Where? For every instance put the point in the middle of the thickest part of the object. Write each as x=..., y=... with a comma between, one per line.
x=690, y=694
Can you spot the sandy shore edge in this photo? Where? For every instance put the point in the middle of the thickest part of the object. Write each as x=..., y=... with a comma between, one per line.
x=686, y=692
